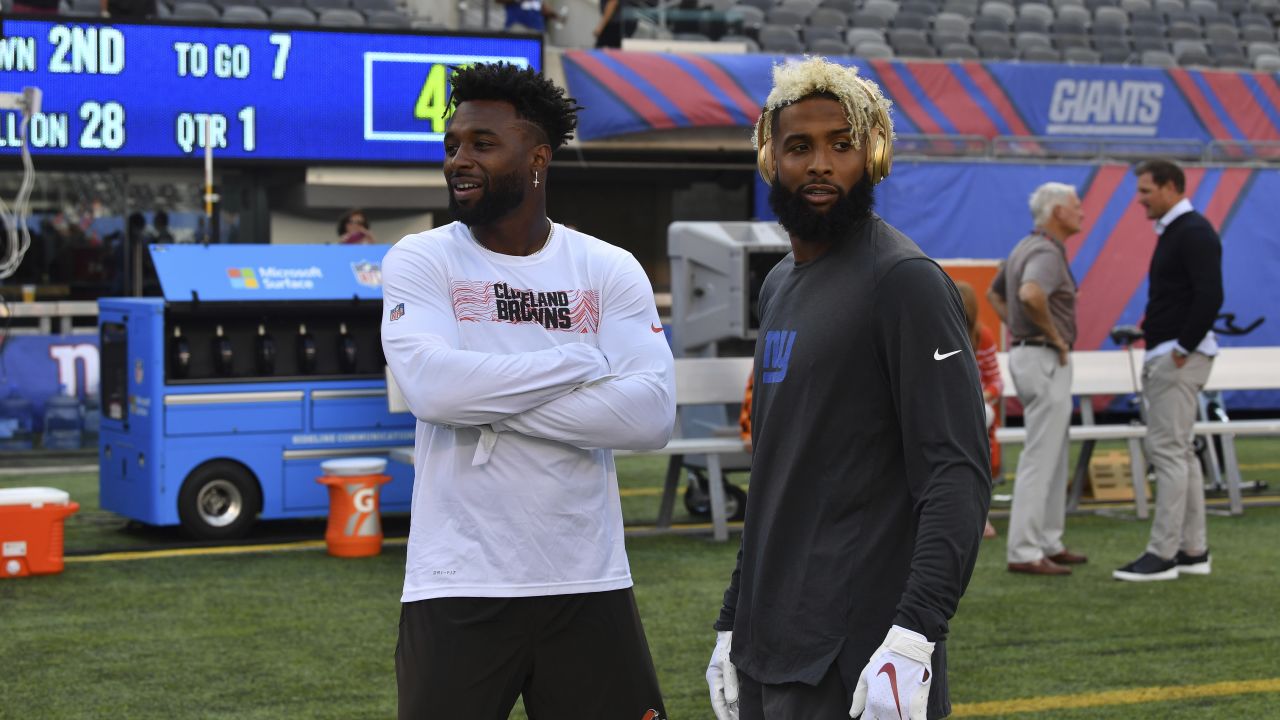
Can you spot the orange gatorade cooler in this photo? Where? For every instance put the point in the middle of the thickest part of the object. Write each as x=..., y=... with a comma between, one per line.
x=355, y=526
x=31, y=530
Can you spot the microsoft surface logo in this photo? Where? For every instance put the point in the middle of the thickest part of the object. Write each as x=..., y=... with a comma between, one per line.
x=242, y=278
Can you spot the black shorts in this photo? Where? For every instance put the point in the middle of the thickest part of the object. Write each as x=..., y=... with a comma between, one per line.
x=572, y=657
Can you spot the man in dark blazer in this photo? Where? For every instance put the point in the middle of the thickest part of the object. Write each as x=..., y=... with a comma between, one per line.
x=1184, y=296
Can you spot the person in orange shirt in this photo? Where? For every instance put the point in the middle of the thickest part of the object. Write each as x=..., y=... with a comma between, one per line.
x=984, y=348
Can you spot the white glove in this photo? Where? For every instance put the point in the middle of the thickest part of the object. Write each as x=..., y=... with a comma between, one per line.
x=895, y=684
x=722, y=678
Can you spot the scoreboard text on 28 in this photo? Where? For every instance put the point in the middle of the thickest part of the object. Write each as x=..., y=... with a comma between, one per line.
x=164, y=90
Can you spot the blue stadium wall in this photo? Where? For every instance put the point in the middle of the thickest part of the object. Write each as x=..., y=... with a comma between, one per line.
x=979, y=210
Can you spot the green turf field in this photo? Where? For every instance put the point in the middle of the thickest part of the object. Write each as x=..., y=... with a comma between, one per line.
x=301, y=635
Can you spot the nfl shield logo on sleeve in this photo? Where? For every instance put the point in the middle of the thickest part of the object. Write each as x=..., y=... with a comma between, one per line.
x=397, y=312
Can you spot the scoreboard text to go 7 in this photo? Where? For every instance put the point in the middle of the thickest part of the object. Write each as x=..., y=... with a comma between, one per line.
x=169, y=91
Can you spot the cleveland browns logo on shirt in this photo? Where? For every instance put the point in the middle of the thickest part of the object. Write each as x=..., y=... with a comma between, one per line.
x=566, y=310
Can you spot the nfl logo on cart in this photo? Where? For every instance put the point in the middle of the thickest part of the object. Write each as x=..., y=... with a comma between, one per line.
x=367, y=273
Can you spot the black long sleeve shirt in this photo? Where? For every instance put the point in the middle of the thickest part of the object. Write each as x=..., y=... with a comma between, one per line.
x=869, y=480
x=1185, y=284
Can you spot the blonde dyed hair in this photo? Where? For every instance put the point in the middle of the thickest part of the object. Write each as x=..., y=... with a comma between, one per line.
x=865, y=106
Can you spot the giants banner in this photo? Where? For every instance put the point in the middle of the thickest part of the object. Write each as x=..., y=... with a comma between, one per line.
x=38, y=366
x=634, y=92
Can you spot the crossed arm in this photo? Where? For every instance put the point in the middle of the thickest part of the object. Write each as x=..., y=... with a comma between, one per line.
x=619, y=394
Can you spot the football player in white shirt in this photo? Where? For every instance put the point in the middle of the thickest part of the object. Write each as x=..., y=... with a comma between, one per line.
x=527, y=351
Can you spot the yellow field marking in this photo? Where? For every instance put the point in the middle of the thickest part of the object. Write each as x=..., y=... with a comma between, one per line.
x=640, y=491
x=194, y=552
x=1132, y=696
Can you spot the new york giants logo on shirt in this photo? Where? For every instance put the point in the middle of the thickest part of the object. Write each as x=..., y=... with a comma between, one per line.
x=777, y=353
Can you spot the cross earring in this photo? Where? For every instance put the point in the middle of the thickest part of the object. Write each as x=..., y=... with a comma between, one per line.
x=535, y=178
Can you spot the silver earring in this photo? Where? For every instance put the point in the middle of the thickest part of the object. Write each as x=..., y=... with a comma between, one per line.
x=535, y=178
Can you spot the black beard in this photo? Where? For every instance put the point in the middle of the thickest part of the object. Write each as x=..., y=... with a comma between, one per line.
x=503, y=194
x=799, y=219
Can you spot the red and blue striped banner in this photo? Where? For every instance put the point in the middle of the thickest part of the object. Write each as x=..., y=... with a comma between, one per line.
x=637, y=92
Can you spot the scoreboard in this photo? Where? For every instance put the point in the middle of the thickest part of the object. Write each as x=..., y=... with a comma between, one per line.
x=134, y=90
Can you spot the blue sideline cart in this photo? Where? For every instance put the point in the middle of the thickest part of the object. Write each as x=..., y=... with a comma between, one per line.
x=221, y=398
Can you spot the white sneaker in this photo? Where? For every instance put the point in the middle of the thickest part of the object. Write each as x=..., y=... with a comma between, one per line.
x=1192, y=564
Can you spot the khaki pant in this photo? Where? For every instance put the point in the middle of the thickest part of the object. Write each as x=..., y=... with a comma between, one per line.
x=1040, y=491
x=1171, y=395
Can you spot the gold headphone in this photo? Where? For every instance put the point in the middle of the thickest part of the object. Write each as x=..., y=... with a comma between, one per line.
x=879, y=148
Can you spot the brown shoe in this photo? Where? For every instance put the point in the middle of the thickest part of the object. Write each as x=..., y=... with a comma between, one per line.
x=1066, y=557
x=1043, y=566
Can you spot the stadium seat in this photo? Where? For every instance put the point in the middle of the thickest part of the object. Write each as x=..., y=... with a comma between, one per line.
x=1036, y=10
x=1184, y=31
x=1203, y=8
x=386, y=19
x=321, y=5
x=993, y=45
x=1115, y=54
x=1267, y=63
x=1135, y=5
x=292, y=16
x=1071, y=26
x=1258, y=49
x=1024, y=40
x=780, y=38
x=848, y=7
x=1031, y=24
x=911, y=21
x=963, y=8
x=1195, y=58
x=1166, y=6
x=862, y=18
x=1081, y=56
x=1111, y=16
x=1222, y=34
x=1143, y=43
x=1253, y=33
x=920, y=7
x=1039, y=54
x=886, y=9
x=1248, y=19
x=949, y=23
x=999, y=9
x=1074, y=13
x=829, y=17
x=959, y=51
x=872, y=50
x=813, y=33
x=751, y=17
x=195, y=11
x=244, y=14
x=1234, y=7
x=857, y=35
x=827, y=47
x=995, y=23
x=787, y=17
x=1232, y=61
x=762, y=5
x=368, y=6
x=1062, y=42
x=904, y=38
x=1144, y=30
x=341, y=17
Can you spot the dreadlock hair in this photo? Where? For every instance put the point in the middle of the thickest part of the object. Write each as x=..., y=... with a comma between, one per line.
x=535, y=98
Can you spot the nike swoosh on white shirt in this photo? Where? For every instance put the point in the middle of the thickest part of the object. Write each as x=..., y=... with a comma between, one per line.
x=937, y=354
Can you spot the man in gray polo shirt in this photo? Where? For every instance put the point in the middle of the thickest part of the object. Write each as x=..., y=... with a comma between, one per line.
x=1035, y=294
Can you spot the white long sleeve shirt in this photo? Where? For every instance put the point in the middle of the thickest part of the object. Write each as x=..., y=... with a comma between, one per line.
x=562, y=355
